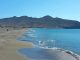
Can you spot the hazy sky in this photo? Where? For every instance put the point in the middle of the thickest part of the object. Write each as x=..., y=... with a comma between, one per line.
x=68, y=9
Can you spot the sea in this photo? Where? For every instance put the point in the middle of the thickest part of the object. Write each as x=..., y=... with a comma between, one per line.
x=68, y=39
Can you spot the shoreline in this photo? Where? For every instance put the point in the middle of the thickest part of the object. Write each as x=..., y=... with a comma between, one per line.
x=49, y=54
x=10, y=46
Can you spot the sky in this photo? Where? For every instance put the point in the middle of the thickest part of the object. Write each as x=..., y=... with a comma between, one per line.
x=67, y=9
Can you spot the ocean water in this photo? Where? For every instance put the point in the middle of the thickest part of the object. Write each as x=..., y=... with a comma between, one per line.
x=68, y=39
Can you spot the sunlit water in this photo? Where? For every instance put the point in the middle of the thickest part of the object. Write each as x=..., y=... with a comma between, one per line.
x=68, y=39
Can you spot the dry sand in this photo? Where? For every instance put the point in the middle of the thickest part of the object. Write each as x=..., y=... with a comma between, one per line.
x=9, y=45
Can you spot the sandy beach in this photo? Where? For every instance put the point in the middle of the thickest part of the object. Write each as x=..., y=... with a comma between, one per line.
x=9, y=45
x=9, y=49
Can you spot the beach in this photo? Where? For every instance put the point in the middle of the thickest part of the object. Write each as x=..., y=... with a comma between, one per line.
x=9, y=45
x=10, y=49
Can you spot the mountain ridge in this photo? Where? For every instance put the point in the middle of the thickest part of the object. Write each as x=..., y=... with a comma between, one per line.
x=42, y=22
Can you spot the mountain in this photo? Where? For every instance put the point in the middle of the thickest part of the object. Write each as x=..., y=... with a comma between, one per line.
x=43, y=22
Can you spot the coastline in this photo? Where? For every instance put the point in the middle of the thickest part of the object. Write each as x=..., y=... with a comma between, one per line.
x=9, y=48
x=9, y=45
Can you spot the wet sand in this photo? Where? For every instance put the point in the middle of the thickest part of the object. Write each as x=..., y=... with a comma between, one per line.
x=48, y=54
x=9, y=45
